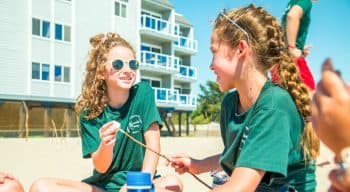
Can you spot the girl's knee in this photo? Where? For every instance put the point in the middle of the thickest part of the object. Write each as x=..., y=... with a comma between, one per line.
x=11, y=185
x=40, y=185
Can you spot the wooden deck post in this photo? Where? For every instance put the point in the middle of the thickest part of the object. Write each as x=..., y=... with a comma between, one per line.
x=187, y=123
x=21, y=120
x=180, y=114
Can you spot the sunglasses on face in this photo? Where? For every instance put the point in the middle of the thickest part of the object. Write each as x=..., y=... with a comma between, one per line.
x=119, y=64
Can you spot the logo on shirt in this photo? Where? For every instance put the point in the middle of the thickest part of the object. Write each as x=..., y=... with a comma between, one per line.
x=244, y=138
x=135, y=124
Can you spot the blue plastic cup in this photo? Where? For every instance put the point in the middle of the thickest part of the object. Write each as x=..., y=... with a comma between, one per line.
x=138, y=181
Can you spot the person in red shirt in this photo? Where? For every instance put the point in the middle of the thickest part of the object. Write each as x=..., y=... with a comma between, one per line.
x=296, y=21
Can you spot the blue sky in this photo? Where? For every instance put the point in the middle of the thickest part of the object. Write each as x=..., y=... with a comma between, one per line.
x=329, y=32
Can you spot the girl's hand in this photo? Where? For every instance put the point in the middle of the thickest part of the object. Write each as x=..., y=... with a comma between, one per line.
x=330, y=112
x=306, y=50
x=295, y=52
x=108, y=133
x=181, y=163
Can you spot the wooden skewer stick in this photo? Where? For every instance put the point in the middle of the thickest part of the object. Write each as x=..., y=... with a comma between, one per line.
x=161, y=155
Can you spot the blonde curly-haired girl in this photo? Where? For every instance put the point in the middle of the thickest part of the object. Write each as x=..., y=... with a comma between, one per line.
x=110, y=101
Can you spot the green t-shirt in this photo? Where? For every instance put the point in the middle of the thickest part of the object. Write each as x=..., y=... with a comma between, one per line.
x=266, y=137
x=305, y=20
x=135, y=117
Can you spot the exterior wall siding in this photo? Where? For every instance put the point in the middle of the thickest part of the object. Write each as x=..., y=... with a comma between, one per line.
x=61, y=90
x=40, y=88
x=63, y=12
x=13, y=46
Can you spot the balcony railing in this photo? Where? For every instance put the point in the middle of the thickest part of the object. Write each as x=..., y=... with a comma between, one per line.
x=164, y=95
x=155, y=24
x=172, y=96
x=186, y=43
x=188, y=71
x=159, y=60
x=188, y=100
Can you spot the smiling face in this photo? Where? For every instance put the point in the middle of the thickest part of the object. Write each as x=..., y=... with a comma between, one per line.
x=124, y=78
x=224, y=63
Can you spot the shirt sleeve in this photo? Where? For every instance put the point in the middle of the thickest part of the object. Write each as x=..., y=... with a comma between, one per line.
x=149, y=108
x=266, y=143
x=90, y=138
x=305, y=5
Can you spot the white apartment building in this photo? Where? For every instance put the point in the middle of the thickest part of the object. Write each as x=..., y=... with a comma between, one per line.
x=44, y=46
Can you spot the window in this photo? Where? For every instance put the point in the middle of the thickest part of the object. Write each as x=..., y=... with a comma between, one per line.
x=155, y=83
x=120, y=8
x=40, y=71
x=58, y=32
x=58, y=73
x=152, y=82
x=67, y=33
x=62, y=74
x=176, y=30
x=35, y=70
x=150, y=48
x=41, y=28
x=35, y=26
x=46, y=29
x=153, y=21
x=45, y=73
x=66, y=73
x=62, y=32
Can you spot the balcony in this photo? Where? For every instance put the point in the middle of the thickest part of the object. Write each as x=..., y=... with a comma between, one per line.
x=158, y=62
x=171, y=98
x=187, y=73
x=185, y=45
x=188, y=100
x=167, y=96
x=157, y=28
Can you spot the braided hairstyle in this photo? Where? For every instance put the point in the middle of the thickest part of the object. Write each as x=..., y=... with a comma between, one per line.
x=266, y=38
x=93, y=96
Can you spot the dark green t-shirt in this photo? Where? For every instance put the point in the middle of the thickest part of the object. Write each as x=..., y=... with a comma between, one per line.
x=135, y=117
x=305, y=20
x=266, y=137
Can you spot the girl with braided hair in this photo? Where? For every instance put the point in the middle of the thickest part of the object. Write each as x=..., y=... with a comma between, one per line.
x=268, y=142
x=110, y=101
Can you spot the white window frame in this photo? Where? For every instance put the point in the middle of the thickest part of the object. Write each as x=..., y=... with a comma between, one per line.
x=152, y=46
x=41, y=71
x=41, y=28
x=62, y=73
x=153, y=79
x=63, y=32
x=121, y=2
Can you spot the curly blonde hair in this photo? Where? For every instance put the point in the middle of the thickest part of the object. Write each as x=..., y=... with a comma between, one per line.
x=266, y=37
x=93, y=96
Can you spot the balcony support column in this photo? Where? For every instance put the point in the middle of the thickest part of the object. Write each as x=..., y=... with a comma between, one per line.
x=180, y=114
x=187, y=123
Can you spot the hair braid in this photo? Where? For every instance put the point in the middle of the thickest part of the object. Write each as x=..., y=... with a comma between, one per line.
x=266, y=37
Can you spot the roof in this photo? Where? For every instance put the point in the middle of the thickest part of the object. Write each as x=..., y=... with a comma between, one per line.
x=163, y=2
x=181, y=19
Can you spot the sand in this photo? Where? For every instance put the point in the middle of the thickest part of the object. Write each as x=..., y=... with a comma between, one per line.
x=61, y=157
